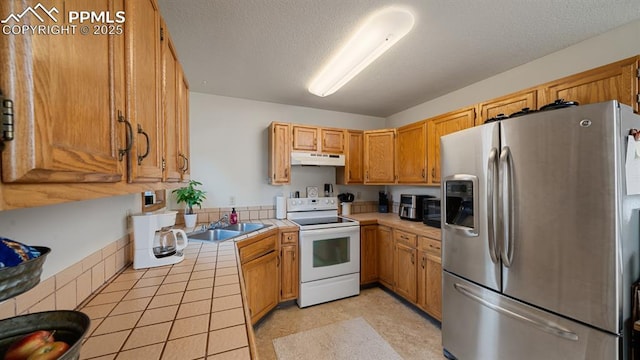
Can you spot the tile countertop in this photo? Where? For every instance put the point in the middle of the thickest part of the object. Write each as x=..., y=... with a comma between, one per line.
x=191, y=310
x=394, y=221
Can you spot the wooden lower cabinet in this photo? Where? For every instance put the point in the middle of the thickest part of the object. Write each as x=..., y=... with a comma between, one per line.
x=289, y=266
x=431, y=286
x=405, y=273
x=430, y=277
x=368, y=254
x=260, y=269
x=385, y=256
x=408, y=264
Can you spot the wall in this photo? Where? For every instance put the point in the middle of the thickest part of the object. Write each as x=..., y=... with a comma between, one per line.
x=229, y=149
x=89, y=242
x=73, y=230
x=606, y=48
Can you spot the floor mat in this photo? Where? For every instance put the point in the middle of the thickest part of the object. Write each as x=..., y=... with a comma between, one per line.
x=350, y=339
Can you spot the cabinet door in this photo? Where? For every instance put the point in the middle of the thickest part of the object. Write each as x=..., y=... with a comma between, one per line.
x=616, y=81
x=411, y=153
x=507, y=105
x=67, y=92
x=170, y=110
x=385, y=256
x=368, y=254
x=332, y=141
x=305, y=138
x=440, y=126
x=379, y=146
x=405, y=273
x=279, y=153
x=352, y=172
x=183, y=125
x=289, y=266
x=143, y=44
x=261, y=282
x=433, y=294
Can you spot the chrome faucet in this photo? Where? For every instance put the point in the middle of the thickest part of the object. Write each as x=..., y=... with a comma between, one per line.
x=224, y=221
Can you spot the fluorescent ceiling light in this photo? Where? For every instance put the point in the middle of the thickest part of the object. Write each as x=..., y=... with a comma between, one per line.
x=378, y=33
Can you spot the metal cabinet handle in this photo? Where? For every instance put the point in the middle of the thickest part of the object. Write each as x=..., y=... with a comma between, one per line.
x=186, y=163
x=129, y=139
x=492, y=179
x=424, y=173
x=146, y=153
x=424, y=261
x=545, y=325
x=413, y=260
x=433, y=172
x=286, y=172
x=505, y=203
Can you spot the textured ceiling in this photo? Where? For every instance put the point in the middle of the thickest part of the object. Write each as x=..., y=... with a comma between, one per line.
x=269, y=50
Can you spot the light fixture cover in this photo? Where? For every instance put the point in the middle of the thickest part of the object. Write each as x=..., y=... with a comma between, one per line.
x=376, y=35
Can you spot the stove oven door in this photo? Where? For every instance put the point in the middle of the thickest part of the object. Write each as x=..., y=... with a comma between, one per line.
x=326, y=253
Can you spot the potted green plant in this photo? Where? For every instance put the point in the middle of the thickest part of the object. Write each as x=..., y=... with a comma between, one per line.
x=191, y=197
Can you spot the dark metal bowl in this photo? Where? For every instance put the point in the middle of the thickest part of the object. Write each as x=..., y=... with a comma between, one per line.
x=15, y=280
x=70, y=327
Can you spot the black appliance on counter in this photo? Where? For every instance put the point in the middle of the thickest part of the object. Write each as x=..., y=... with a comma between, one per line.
x=411, y=206
x=431, y=214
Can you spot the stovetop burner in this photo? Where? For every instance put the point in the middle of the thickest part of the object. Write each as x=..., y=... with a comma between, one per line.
x=316, y=213
x=333, y=220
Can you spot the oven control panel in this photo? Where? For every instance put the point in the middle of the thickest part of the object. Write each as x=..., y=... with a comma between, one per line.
x=309, y=204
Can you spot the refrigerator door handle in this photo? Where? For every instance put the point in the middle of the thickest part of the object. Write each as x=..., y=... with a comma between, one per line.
x=492, y=180
x=506, y=202
x=536, y=321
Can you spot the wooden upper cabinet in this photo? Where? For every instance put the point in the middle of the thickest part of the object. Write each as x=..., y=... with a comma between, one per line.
x=183, y=126
x=411, y=153
x=305, y=138
x=507, y=105
x=143, y=56
x=352, y=172
x=616, y=81
x=379, y=156
x=170, y=106
x=440, y=126
x=332, y=141
x=279, y=153
x=66, y=92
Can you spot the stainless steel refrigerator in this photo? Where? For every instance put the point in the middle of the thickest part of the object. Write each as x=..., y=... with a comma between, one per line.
x=540, y=239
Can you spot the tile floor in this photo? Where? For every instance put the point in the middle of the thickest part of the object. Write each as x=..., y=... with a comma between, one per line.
x=191, y=310
x=411, y=334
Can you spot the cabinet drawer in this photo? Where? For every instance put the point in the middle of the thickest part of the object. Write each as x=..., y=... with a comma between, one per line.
x=290, y=237
x=404, y=237
x=430, y=245
x=253, y=248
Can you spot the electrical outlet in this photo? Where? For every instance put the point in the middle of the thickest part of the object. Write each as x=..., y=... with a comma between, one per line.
x=232, y=200
x=358, y=195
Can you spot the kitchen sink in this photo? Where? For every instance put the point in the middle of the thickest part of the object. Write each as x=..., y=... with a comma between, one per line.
x=245, y=227
x=225, y=233
x=213, y=235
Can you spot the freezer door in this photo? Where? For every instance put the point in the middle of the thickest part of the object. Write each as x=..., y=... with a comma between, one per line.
x=559, y=209
x=469, y=173
x=481, y=324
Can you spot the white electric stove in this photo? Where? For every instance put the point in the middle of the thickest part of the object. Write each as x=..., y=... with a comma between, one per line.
x=329, y=250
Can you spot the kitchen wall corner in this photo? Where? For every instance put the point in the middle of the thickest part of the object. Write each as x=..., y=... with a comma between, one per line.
x=89, y=240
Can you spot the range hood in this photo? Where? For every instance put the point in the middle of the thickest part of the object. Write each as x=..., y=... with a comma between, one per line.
x=305, y=158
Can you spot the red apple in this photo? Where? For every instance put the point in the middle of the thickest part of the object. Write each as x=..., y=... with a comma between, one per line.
x=49, y=351
x=22, y=348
